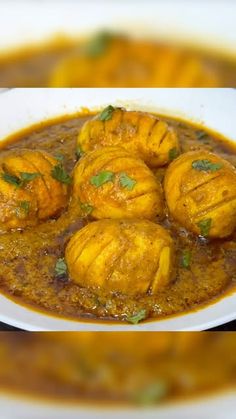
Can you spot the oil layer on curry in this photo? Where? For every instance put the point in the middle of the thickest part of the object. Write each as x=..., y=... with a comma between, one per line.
x=121, y=216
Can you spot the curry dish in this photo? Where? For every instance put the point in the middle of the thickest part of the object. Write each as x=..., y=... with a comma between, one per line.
x=120, y=61
x=121, y=371
x=122, y=216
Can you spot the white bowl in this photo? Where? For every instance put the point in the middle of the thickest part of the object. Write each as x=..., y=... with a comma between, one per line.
x=214, y=108
x=219, y=406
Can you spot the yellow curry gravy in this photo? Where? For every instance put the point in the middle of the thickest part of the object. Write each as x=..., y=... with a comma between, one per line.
x=28, y=257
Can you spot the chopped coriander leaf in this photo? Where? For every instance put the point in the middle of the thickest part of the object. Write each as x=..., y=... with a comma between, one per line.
x=205, y=226
x=23, y=209
x=12, y=179
x=206, y=165
x=79, y=152
x=86, y=208
x=19, y=181
x=186, y=259
x=173, y=153
x=25, y=205
x=101, y=178
x=59, y=157
x=138, y=317
x=106, y=114
x=152, y=393
x=60, y=267
x=201, y=134
x=27, y=177
x=126, y=181
x=98, y=44
x=58, y=173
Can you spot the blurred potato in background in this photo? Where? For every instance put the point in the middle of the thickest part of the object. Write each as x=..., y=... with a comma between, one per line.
x=172, y=43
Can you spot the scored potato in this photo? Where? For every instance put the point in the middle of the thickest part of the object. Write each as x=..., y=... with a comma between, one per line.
x=142, y=134
x=200, y=190
x=129, y=256
x=28, y=191
x=114, y=184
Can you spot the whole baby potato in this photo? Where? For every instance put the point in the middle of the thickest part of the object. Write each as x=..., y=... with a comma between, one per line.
x=29, y=191
x=143, y=135
x=128, y=256
x=111, y=183
x=200, y=190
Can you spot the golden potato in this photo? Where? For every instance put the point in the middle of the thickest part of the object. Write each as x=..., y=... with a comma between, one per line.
x=114, y=184
x=141, y=134
x=29, y=188
x=128, y=256
x=200, y=190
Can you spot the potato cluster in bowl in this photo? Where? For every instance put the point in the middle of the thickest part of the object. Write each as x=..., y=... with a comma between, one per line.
x=126, y=248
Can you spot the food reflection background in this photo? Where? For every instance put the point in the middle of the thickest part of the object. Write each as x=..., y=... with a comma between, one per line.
x=121, y=45
x=117, y=367
x=119, y=60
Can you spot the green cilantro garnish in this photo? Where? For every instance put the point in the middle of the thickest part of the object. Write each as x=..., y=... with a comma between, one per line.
x=79, y=152
x=152, y=393
x=205, y=226
x=126, y=181
x=206, y=165
x=86, y=208
x=23, y=209
x=59, y=157
x=98, y=44
x=106, y=114
x=173, y=153
x=19, y=181
x=25, y=205
x=12, y=179
x=101, y=178
x=186, y=259
x=60, y=267
x=58, y=173
x=27, y=177
x=138, y=317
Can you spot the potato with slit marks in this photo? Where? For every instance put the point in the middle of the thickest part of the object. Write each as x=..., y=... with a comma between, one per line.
x=28, y=191
x=128, y=256
x=200, y=190
x=143, y=135
x=115, y=184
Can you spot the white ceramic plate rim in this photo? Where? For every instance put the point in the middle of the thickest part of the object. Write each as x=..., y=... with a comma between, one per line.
x=212, y=107
x=217, y=405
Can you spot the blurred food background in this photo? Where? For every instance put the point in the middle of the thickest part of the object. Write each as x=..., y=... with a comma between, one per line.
x=67, y=43
x=117, y=368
